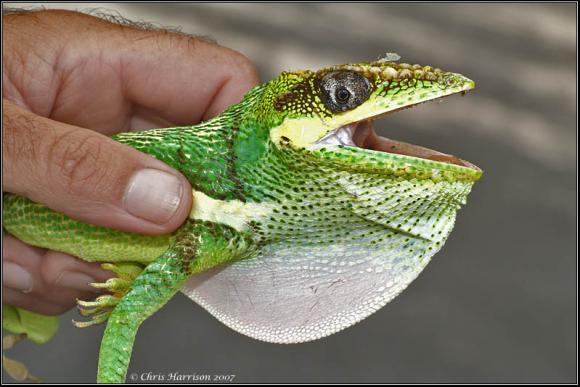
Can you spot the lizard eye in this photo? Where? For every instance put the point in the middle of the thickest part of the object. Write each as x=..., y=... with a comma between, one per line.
x=342, y=95
x=344, y=90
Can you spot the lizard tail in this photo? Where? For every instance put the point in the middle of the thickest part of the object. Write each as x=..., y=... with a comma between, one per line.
x=148, y=293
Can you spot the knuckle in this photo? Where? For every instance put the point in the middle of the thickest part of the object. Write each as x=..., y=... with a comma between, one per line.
x=245, y=67
x=51, y=268
x=78, y=163
x=54, y=265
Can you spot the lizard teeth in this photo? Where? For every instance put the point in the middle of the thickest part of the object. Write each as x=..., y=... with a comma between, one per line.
x=341, y=136
x=353, y=134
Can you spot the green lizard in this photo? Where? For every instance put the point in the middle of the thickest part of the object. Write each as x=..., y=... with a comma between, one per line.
x=304, y=220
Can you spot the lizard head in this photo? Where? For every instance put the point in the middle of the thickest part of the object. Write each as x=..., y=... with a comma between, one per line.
x=328, y=114
x=345, y=219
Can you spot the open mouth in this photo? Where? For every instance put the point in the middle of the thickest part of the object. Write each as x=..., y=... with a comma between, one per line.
x=361, y=134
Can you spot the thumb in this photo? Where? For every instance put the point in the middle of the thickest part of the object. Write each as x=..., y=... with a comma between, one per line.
x=89, y=176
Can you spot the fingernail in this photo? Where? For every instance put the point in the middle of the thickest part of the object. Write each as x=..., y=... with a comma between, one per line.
x=78, y=281
x=15, y=277
x=153, y=195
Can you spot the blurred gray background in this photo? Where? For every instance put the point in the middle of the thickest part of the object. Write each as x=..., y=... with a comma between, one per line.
x=498, y=303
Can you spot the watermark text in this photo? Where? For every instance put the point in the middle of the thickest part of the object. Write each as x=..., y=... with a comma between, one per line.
x=176, y=377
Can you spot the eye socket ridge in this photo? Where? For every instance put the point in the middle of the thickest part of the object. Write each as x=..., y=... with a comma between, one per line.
x=344, y=90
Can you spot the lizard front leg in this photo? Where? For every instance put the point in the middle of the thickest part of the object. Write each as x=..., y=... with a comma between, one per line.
x=195, y=247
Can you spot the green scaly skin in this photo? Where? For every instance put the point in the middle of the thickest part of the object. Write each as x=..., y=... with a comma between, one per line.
x=263, y=188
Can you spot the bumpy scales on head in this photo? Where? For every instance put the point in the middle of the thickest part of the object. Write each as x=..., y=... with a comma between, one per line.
x=305, y=221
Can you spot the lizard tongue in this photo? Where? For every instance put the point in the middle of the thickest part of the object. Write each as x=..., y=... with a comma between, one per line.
x=366, y=137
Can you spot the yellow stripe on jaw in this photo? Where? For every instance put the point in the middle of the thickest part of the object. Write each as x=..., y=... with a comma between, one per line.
x=306, y=131
x=233, y=213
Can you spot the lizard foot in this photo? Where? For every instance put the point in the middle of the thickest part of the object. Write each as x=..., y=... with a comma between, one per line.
x=99, y=310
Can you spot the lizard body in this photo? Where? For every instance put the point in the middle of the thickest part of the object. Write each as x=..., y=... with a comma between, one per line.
x=304, y=221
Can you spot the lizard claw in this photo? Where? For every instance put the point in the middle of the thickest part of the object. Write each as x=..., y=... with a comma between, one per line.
x=99, y=309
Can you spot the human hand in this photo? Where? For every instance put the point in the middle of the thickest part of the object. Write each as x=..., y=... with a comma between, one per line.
x=71, y=80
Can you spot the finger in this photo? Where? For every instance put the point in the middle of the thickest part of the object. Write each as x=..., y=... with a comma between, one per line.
x=184, y=80
x=40, y=281
x=89, y=176
x=180, y=79
x=65, y=271
x=20, y=265
x=39, y=269
x=33, y=303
